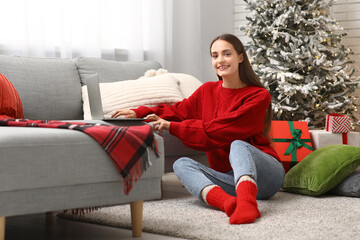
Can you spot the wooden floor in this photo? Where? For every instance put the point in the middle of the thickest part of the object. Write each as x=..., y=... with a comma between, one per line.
x=50, y=227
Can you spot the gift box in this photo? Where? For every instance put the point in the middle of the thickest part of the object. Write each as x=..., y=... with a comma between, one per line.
x=321, y=138
x=337, y=123
x=291, y=140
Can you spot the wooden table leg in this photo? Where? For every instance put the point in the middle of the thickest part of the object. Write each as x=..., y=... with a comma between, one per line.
x=136, y=217
x=2, y=228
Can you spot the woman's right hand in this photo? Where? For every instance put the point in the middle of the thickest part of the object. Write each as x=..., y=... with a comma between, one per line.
x=126, y=113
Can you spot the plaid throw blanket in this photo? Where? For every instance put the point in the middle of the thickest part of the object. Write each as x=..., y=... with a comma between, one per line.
x=126, y=145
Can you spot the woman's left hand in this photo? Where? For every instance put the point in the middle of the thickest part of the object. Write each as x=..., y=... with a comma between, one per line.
x=158, y=123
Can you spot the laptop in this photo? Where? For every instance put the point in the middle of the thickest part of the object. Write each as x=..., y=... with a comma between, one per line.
x=94, y=94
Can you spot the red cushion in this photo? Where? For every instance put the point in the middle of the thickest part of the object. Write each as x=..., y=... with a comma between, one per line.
x=10, y=102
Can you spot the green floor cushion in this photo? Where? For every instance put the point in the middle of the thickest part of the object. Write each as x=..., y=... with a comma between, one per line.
x=322, y=170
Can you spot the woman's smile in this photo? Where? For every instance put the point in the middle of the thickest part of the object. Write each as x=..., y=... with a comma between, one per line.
x=223, y=67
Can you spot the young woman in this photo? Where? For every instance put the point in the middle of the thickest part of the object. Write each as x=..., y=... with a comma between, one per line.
x=229, y=120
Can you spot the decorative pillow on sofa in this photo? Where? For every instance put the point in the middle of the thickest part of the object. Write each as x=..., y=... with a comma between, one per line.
x=350, y=186
x=145, y=91
x=187, y=83
x=322, y=170
x=10, y=102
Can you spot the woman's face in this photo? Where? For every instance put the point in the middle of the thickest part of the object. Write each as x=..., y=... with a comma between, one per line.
x=225, y=59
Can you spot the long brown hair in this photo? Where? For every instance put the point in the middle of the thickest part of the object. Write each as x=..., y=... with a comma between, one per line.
x=247, y=74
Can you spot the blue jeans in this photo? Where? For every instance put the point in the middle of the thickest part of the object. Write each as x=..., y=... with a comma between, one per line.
x=245, y=159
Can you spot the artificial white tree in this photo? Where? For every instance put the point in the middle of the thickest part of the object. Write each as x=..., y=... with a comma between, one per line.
x=296, y=51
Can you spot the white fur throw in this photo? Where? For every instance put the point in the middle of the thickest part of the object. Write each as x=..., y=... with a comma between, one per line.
x=145, y=91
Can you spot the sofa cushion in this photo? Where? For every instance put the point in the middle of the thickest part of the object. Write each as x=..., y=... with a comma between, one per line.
x=10, y=102
x=59, y=157
x=112, y=71
x=49, y=88
x=145, y=91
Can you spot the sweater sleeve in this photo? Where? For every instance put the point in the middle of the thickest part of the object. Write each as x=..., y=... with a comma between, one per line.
x=242, y=123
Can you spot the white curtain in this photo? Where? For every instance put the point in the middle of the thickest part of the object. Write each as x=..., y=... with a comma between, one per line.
x=133, y=30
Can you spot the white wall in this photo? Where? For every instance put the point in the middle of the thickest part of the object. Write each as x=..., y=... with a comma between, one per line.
x=186, y=37
x=346, y=12
x=195, y=24
x=216, y=18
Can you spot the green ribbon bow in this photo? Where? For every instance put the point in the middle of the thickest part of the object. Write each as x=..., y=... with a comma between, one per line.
x=295, y=143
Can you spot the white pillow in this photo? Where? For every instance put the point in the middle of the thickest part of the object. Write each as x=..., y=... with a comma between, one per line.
x=145, y=91
x=187, y=83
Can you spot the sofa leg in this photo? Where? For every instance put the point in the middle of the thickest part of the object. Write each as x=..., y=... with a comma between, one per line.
x=2, y=228
x=49, y=214
x=136, y=217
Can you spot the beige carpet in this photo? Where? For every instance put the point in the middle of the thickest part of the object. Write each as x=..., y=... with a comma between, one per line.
x=285, y=216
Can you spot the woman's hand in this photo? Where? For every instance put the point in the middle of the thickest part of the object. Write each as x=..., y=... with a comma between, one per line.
x=158, y=123
x=127, y=113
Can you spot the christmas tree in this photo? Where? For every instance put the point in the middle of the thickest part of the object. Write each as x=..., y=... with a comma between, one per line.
x=296, y=51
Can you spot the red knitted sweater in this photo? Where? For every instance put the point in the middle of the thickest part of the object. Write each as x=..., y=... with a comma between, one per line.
x=213, y=117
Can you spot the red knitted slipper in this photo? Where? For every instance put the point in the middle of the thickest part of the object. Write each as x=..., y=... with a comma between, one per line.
x=218, y=198
x=246, y=210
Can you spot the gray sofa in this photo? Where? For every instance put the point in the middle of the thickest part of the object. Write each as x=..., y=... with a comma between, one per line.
x=46, y=170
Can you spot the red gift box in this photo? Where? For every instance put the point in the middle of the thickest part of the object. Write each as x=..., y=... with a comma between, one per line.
x=338, y=123
x=291, y=140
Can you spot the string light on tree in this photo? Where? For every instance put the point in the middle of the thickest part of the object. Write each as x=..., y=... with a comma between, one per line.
x=296, y=51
